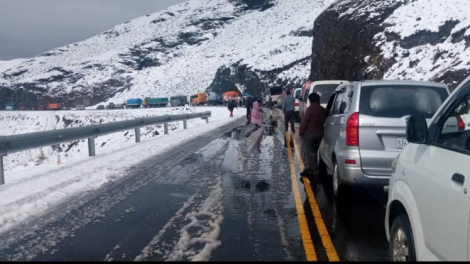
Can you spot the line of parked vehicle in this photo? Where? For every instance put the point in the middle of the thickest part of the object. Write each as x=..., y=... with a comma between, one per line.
x=413, y=139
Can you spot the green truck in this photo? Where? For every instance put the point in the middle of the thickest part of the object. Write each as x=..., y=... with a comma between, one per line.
x=156, y=102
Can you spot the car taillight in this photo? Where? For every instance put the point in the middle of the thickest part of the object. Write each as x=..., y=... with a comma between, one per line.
x=296, y=104
x=461, y=124
x=352, y=130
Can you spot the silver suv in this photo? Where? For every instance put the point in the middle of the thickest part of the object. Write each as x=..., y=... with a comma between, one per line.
x=366, y=129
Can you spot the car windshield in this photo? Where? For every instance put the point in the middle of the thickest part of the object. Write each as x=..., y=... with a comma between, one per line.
x=325, y=91
x=399, y=101
x=297, y=93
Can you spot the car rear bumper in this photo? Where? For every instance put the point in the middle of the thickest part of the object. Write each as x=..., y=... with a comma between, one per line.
x=352, y=174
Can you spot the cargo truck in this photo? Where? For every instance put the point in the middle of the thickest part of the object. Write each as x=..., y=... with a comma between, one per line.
x=134, y=103
x=179, y=100
x=155, y=102
x=215, y=99
x=54, y=106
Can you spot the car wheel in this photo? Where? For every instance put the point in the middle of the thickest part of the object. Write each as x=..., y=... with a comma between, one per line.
x=402, y=246
x=336, y=180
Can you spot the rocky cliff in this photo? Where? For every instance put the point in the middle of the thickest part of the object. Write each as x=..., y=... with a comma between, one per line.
x=393, y=39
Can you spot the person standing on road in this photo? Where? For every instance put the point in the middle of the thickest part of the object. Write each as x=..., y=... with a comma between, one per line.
x=248, y=105
x=311, y=134
x=288, y=106
x=256, y=115
x=232, y=105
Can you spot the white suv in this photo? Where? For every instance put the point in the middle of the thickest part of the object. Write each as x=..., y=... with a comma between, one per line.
x=428, y=210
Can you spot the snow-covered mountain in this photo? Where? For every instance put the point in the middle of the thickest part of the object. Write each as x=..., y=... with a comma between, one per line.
x=188, y=48
x=393, y=39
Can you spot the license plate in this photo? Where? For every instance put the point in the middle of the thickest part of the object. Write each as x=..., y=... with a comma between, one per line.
x=401, y=143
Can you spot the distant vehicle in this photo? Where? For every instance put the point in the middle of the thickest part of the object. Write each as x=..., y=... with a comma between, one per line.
x=80, y=107
x=297, y=97
x=118, y=106
x=23, y=108
x=201, y=98
x=54, y=106
x=110, y=106
x=323, y=88
x=100, y=107
x=9, y=106
x=366, y=128
x=229, y=96
x=428, y=205
x=215, y=99
x=179, y=100
x=193, y=100
x=156, y=102
x=41, y=108
x=134, y=103
x=276, y=93
x=67, y=108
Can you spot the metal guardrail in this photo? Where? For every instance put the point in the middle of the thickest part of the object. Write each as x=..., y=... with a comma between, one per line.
x=17, y=143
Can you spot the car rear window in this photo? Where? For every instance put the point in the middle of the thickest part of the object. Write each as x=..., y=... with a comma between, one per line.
x=297, y=93
x=399, y=101
x=325, y=91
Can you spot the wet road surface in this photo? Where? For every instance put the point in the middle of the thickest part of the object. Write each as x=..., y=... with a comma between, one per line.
x=232, y=194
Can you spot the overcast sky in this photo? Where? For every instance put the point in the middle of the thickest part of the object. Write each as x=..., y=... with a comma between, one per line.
x=31, y=27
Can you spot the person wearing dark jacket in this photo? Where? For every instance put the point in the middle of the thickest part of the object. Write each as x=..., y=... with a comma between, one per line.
x=288, y=107
x=249, y=106
x=311, y=134
x=232, y=105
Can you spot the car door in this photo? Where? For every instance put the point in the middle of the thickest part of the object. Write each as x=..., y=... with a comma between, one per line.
x=327, y=145
x=439, y=176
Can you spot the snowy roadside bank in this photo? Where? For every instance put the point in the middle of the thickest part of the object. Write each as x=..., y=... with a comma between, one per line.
x=29, y=192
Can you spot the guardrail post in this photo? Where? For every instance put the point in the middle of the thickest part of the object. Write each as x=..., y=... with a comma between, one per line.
x=185, y=124
x=166, y=128
x=2, y=174
x=137, y=135
x=91, y=147
x=207, y=120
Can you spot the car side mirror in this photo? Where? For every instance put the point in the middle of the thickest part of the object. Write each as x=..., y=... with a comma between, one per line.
x=417, y=130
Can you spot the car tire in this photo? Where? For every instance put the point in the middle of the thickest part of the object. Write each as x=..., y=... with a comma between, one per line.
x=401, y=240
x=336, y=180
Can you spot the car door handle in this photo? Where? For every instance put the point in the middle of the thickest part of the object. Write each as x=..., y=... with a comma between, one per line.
x=458, y=178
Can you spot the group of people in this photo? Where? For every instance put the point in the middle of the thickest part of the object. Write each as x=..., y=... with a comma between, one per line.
x=311, y=129
x=253, y=110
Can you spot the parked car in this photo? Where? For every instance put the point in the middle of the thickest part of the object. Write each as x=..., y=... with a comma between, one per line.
x=80, y=107
x=100, y=107
x=323, y=88
x=366, y=128
x=428, y=205
x=298, y=97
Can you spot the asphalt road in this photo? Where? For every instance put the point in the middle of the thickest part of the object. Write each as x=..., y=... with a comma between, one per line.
x=232, y=194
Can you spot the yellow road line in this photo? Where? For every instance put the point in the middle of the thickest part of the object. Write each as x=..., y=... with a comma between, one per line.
x=325, y=237
x=304, y=230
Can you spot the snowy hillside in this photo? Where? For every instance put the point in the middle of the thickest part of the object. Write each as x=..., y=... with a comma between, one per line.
x=179, y=51
x=6, y=65
x=419, y=40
